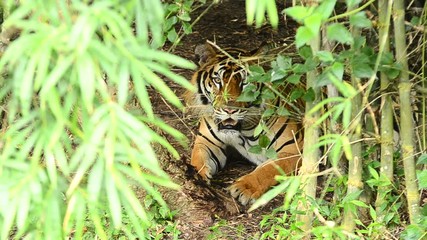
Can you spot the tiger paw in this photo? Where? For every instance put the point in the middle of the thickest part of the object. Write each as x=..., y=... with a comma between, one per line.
x=248, y=188
x=205, y=173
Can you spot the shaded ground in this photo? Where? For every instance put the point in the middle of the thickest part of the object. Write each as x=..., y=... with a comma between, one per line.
x=201, y=206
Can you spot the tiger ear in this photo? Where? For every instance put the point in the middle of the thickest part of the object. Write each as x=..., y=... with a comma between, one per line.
x=204, y=52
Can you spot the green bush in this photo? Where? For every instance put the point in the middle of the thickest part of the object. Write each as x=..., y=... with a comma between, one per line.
x=72, y=152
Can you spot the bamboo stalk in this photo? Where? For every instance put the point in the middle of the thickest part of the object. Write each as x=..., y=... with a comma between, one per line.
x=354, y=183
x=386, y=169
x=406, y=122
x=310, y=156
x=424, y=82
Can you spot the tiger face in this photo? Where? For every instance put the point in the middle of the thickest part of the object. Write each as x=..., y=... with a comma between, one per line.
x=220, y=81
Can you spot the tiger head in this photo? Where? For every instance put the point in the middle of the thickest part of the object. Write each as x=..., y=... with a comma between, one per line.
x=220, y=81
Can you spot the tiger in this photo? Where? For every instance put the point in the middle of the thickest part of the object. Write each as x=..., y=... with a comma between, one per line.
x=228, y=124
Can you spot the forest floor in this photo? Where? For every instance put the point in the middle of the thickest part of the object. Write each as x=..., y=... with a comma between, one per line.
x=208, y=211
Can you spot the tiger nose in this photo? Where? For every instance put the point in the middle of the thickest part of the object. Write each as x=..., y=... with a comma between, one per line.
x=230, y=110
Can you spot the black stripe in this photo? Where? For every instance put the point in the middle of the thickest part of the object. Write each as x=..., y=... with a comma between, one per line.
x=213, y=133
x=243, y=141
x=200, y=134
x=286, y=143
x=215, y=158
x=200, y=86
x=279, y=133
x=222, y=150
x=253, y=138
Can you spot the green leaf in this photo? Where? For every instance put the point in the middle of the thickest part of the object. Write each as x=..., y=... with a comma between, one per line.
x=305, y=52
x=272, y=13
x=337, y=32
x=256, y=70
x=326, y=8
x=263, y=141
x=172, y=35
x=255, y=149
x=303, y=36
x=272, y=193
x=413, y=231
x=422, y=179
x=284, y=63
x=299, y=13
x=352, y=3
x=278, y=75
x=392, y=72
x=347, y=147
x=86, y=77
x=267, y=94
x=309, y=95
x=23, y=210
x=359, y=203
x=292, y=190
x=271, y=153
x=294, y=78
x=249, y=94
x=313, y=23
x=258, y=129
x=415, y=20
x=325, y=56
x=187, y=27
x=359, y=42
x=373, y=173
x=268, y=113
x=62, y=66
x=251, y=6
x=185, y=16
x=282, y=111
x=360, y=20
x=141, y=92
x=373, y=213
x=362, y=70
x=422, y=159
x=296, y=93
x=113, y=196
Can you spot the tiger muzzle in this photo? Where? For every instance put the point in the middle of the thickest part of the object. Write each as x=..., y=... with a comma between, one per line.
x=229, y=124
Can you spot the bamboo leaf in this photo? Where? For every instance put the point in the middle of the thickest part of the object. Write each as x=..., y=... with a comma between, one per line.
x=23, y=210
x=53, y=215
x=141, y=92
x=50, y=166
x=273, y=192
x=95, y=179
x=26, y=85
x=113, y=197
x=260, y=13
x=272, y=13
x=86, y=77
x=62, y=66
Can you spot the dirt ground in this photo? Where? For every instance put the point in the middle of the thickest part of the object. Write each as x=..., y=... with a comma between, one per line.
x=201, y=206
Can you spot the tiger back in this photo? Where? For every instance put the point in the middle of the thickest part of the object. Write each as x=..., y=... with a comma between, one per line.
x=226, y=122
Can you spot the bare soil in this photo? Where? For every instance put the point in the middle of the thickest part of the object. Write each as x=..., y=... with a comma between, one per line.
x=201, y=206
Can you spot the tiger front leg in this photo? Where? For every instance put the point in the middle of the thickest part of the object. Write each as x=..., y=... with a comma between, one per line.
x=207, y=158
x=251, y=186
